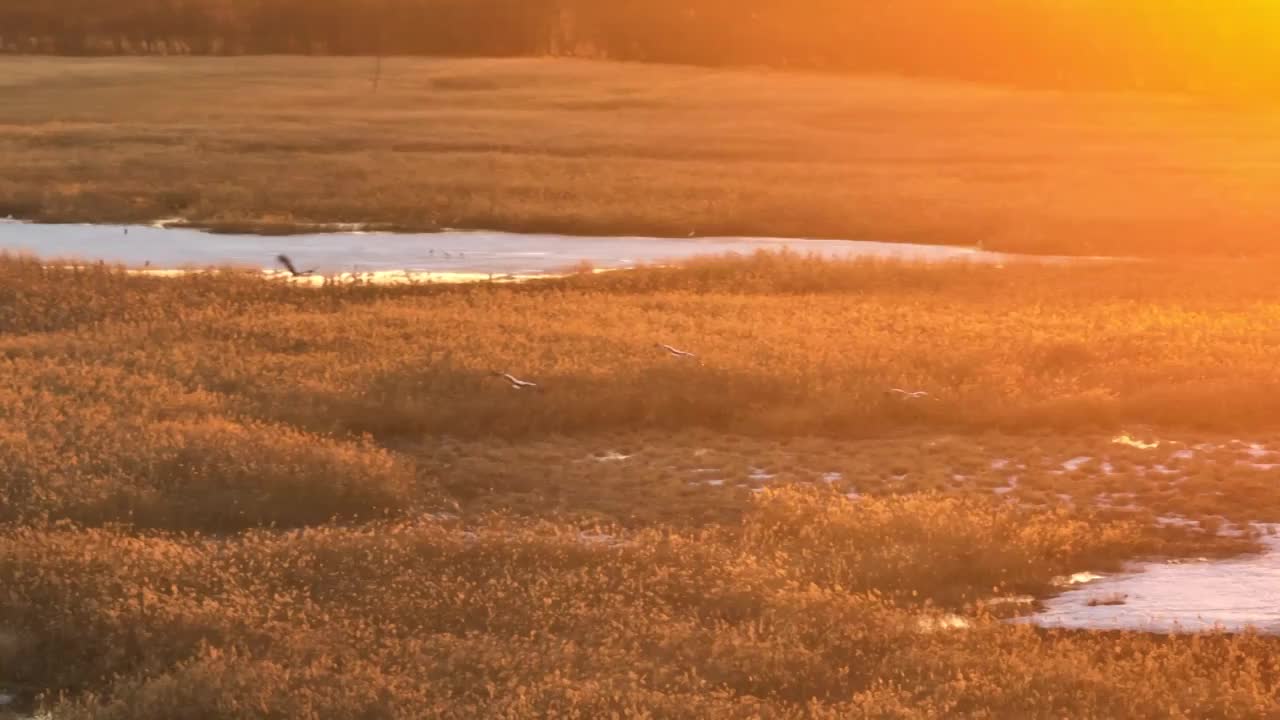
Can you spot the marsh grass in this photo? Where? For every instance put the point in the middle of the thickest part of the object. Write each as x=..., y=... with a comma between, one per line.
x=789, y=346
x=806, y=608
x=248, y=499
x=600, y=148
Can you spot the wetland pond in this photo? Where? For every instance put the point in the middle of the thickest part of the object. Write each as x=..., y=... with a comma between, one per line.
x=1231, y=595
x=441, y=256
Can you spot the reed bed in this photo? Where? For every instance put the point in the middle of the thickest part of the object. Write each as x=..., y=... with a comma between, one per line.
x=246, y=498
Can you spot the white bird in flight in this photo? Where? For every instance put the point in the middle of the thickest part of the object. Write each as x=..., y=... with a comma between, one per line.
x=907, y=394
x=1132, y=442
x=676, y=352
x=516, y=382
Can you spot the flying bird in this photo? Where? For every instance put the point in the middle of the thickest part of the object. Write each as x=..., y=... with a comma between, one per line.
x=1132, y=442
x=288, y=265
x=674, y=352
x=516, y=383
x=907, y=394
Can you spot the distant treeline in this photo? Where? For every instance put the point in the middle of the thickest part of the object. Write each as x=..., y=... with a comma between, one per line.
x=1159, y=44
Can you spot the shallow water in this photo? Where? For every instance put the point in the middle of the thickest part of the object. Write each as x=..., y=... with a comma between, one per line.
x=1231, y=595
x=455, y=252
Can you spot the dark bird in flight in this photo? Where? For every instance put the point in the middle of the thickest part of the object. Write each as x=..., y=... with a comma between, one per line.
x=516, y=383
x=288, y=265
x=674, y=352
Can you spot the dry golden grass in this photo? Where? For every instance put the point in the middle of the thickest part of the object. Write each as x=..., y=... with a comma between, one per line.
x=585, y=147
x=249, y=499
x=814, y=607
x=251, y=369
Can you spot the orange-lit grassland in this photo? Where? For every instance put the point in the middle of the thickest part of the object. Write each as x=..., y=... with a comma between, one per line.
x=593, y=147
x=245, y=498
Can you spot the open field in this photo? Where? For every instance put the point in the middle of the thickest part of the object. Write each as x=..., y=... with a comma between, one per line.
x=247, y=498
x=610, y=148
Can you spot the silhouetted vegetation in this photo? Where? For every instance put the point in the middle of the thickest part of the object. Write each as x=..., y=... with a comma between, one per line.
x=1167, y=44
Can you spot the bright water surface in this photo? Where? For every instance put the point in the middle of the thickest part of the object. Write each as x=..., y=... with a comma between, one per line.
x=1233, y=595
x=446, y=252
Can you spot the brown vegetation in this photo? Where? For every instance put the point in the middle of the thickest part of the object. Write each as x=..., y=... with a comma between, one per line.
x=245, y=498
x=815, y=607
x=612, y=148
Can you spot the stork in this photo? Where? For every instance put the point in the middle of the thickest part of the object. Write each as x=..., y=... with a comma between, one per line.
x=516, y=383
x=675, y=352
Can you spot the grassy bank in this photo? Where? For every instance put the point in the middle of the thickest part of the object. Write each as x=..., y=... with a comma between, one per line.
x=611, y=148
x=250, y=499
